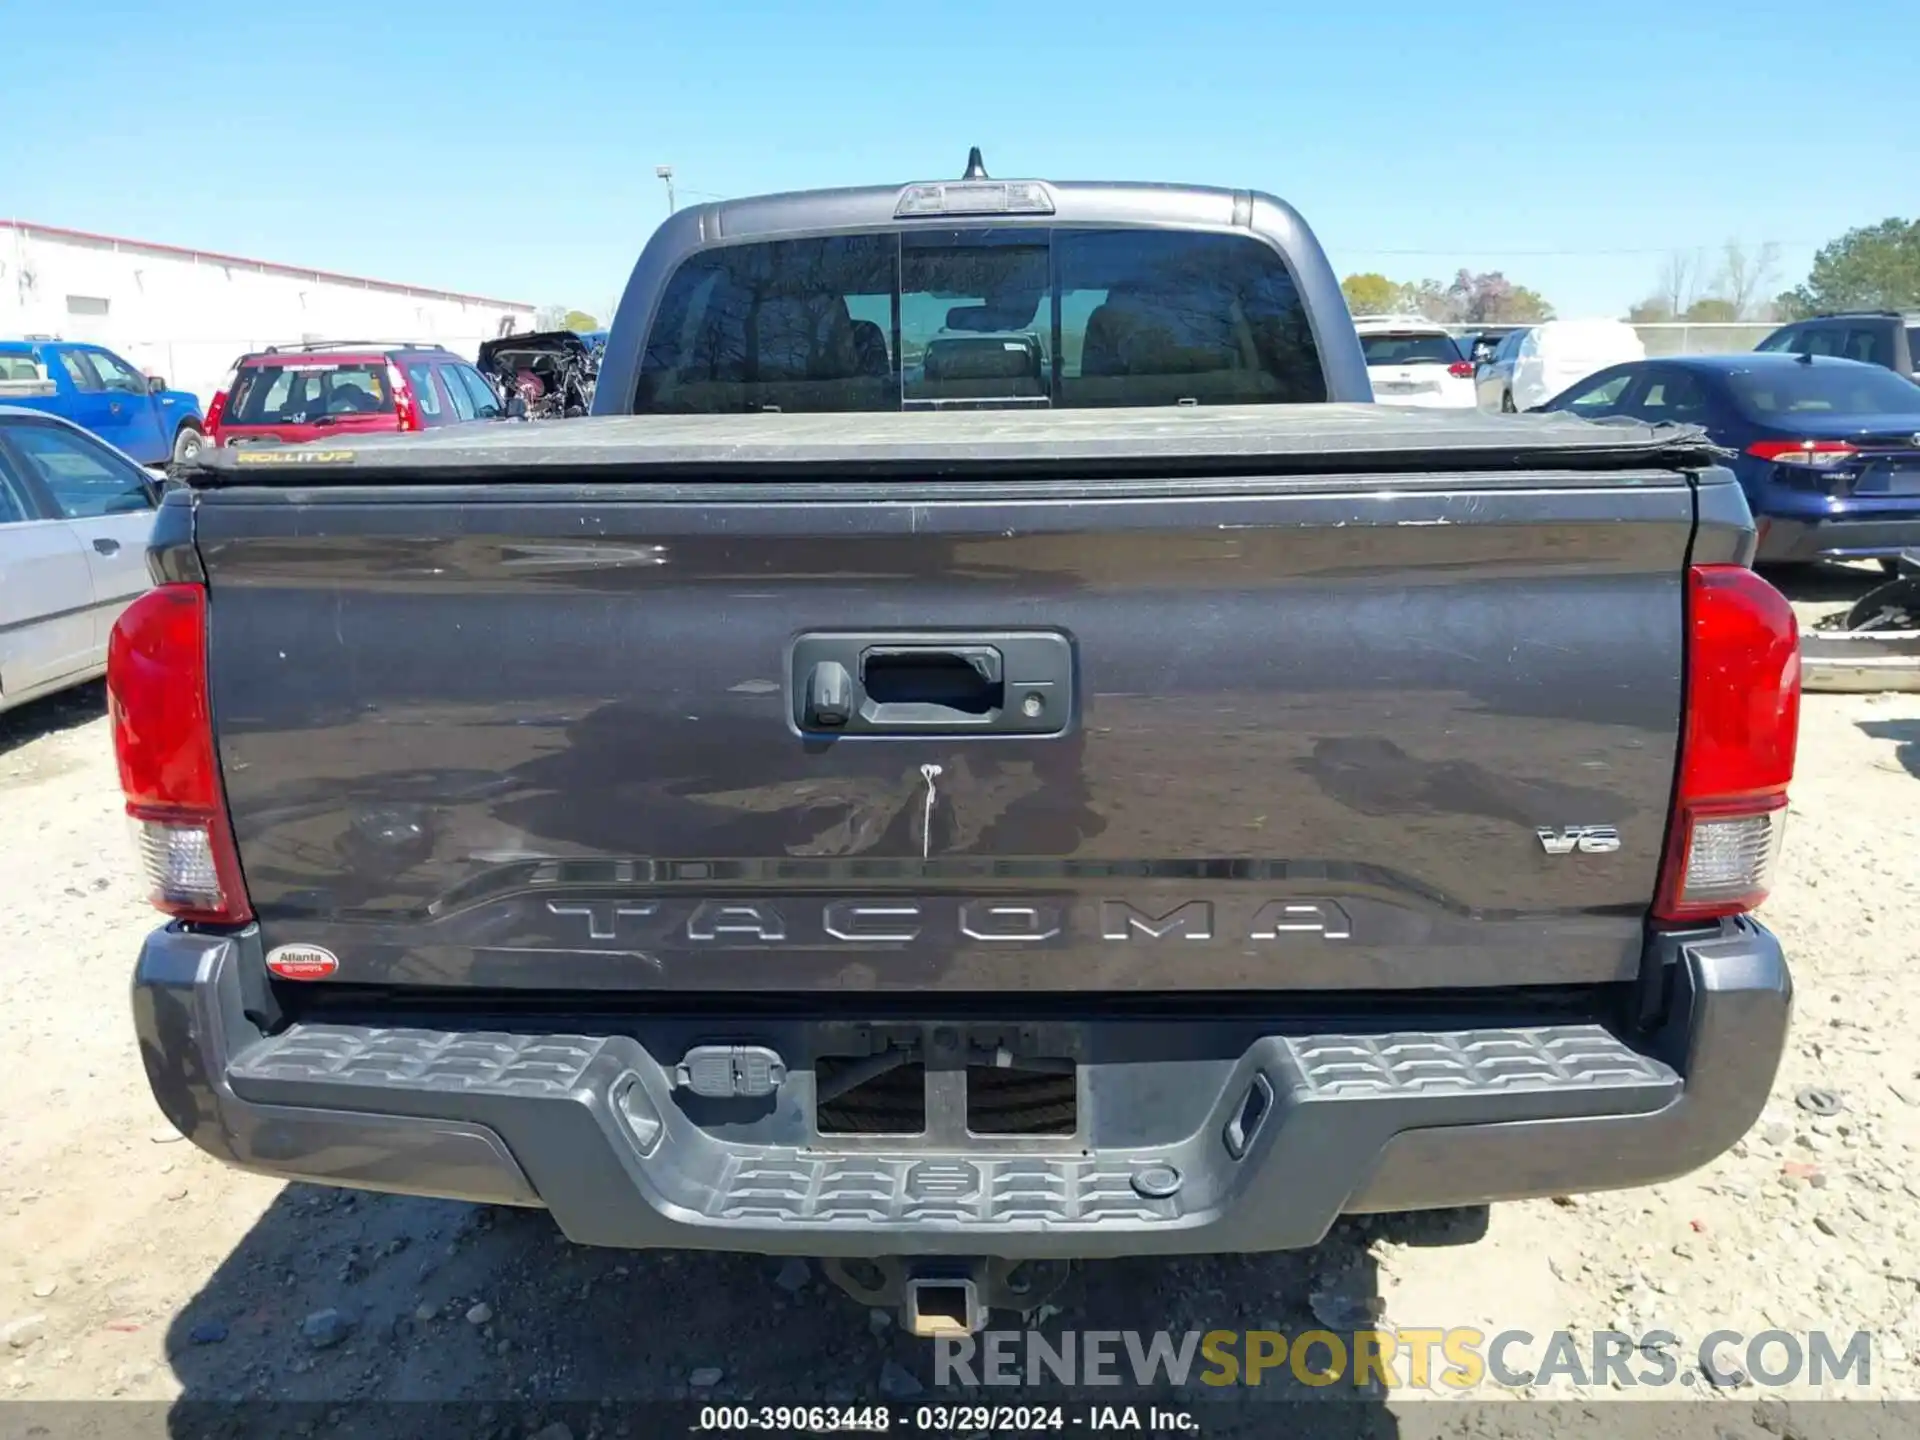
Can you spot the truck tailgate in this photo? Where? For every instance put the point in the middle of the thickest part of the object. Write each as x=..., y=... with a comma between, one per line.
x=1376, y=724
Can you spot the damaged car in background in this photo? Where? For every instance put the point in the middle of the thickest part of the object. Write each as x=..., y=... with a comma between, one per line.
x=1874, y=644
x=552, y=371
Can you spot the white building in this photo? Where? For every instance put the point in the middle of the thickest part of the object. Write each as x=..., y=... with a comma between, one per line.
x=187, y=314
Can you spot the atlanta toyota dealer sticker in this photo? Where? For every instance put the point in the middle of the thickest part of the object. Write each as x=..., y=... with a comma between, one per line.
x=302, y=962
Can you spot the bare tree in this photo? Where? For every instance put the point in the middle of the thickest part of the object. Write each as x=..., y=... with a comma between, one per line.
x=1745, y=275
x=1429, y=298
x=1679, y=281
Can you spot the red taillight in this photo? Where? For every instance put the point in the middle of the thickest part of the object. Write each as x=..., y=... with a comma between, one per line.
x=1461, y=369
x=1802, y=452
x=217, y=412
x=163, y=741
x=405, y=407
x=1736, y=745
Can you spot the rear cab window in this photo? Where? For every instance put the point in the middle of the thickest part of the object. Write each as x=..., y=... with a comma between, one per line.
x=299, y=390
x=976, y=318
x=1001, y=317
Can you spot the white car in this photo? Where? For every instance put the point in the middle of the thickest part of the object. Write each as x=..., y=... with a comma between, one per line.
x=1534, y=365
x=75, y=516
x=1413, y=361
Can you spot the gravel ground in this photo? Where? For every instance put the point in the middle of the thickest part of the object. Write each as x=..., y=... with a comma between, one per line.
x=132, y=1265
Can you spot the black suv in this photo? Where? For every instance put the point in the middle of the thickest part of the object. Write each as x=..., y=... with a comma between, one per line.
x=1879, y=337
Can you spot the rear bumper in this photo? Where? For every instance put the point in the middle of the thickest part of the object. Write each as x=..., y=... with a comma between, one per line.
x=1790, y=539
x=591, y=1127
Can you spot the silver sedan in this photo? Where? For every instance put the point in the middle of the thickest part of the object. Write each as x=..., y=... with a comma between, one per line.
x=75, y=515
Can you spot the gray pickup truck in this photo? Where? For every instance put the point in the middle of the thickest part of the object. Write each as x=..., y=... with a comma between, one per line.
x=1152, y=810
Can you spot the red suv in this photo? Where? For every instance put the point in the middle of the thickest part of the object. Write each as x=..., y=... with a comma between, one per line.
x=328, y=390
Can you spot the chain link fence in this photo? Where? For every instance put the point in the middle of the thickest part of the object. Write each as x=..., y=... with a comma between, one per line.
x=1689, y=338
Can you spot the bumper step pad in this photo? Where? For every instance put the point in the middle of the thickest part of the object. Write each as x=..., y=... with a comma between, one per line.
x=1336, y=1100
x=1463, y=1062
x=434, y=1061
x=1579, y=1057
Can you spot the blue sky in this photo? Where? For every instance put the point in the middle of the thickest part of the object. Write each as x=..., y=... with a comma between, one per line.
x=511, y=150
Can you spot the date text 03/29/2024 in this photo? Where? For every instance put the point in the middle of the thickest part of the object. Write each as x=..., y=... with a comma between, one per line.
x=942, y=1419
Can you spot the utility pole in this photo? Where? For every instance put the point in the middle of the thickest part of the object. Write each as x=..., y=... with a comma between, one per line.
x=665, y=172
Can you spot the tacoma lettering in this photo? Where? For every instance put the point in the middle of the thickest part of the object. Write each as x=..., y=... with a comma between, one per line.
x=996, y=920
x=905, y=921
x=603, y=917
x=852, y=920
x=716, y=920
x=1191, y=921
x=1301, y=917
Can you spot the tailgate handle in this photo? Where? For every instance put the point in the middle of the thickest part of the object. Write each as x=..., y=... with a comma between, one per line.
x=909, y=684
x=880, y=684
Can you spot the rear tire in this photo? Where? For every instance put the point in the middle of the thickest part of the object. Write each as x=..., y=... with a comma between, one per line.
x=1507, y=407
x=187, y=443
